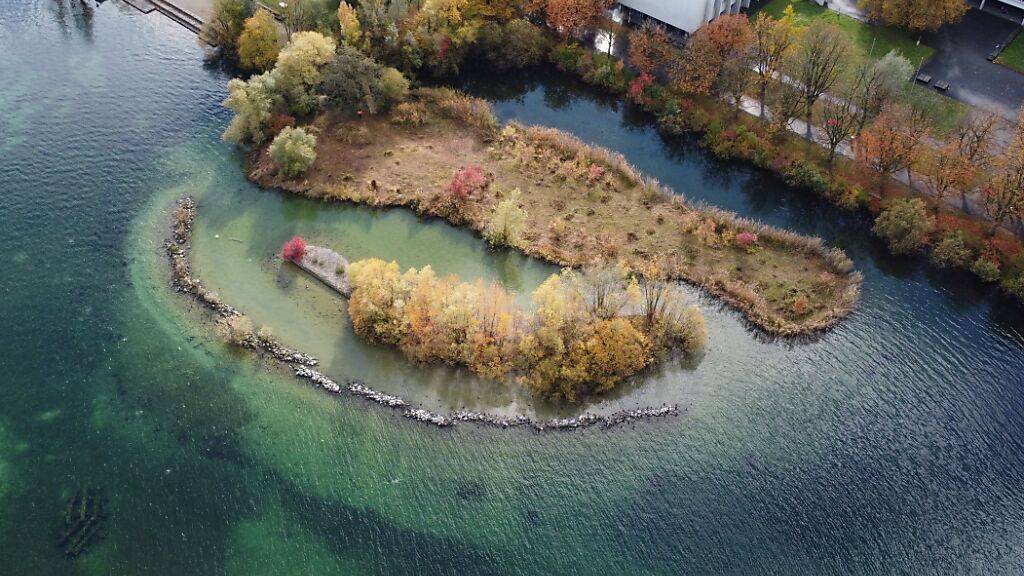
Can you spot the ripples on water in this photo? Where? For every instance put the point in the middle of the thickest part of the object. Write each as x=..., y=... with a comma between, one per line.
x=891, y=444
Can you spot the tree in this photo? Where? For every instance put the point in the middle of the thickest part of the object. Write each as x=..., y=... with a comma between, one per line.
x=815, y=64
x=735, y=77
x=1004, y=193
x=876, y=84
x=298, y=70
x=224, y=25
x=727, y=37
x=253, y=103
x=838, y=123
x=259, y=44
x=973, y=135
x=572, y=18
x=648, y=48
x=785, y=102
x=892, y=142
x=773, y=40
x=310, y=15
x=508, y=221
x=293, y=151
x=947, y=170
x=294, y=249
x=352, y=80
x=916, y=15
x=348, y=24
x=905, y=225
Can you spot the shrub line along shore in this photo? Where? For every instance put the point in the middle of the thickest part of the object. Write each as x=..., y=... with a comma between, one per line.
x=303, y=365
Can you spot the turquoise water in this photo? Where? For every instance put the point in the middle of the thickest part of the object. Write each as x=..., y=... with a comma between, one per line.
x=890, y=445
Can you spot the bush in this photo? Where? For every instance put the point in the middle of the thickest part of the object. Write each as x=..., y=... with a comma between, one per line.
x=293, y=151
x=394, y=87
x=905, y=225
x=508, y=221
x=951, y=252
x=259, y=44
x=986, y=269
x=294, y=249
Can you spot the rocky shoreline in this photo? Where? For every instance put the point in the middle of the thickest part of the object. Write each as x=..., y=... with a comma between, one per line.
x=303, y=364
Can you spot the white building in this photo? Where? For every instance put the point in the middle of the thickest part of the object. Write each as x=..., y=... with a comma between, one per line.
x=686, y=15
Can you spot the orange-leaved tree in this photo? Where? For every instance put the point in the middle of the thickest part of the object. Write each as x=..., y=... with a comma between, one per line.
x=727, y=37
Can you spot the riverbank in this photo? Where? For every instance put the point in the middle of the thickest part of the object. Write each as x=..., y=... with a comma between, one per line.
x=581, y=204
x=241, y=333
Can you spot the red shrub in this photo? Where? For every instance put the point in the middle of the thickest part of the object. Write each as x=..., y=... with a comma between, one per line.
x=466, y=182
x=1007, y=248
x=595, y=173
x=638, y=85
x=746, y=239
x=294, y=249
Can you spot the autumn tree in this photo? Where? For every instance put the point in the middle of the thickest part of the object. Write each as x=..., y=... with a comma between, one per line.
x=916, y=15
x=772, y=41
x=1004, y=193
x=298, y=69
x=946, y=170
x=574, y=17
x=727, y=37
x=648, y=48
x=815, y=64
x=349, y=26
x=260, y=43
x=974, y=135
x=892, y=142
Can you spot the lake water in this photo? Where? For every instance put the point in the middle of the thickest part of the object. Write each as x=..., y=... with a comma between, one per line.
x=892, y=444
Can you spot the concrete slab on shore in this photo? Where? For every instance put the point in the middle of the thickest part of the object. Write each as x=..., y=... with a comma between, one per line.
x=327, y=266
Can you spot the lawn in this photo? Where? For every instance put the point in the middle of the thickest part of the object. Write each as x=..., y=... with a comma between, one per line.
x=875, y=41
x=1013, y=55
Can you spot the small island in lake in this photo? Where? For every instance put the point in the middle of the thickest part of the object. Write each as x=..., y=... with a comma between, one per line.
x=328, y=122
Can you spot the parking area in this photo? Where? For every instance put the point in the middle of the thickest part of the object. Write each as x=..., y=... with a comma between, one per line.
x=961, y=59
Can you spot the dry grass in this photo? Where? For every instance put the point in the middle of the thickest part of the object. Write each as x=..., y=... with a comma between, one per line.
x=582, y=202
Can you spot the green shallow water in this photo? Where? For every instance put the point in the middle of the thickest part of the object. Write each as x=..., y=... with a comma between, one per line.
x=890, y=445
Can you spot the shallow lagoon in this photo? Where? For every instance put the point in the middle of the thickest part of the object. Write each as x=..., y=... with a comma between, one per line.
x=891, y=444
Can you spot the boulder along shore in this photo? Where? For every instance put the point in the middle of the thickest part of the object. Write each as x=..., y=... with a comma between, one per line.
x=302, y=364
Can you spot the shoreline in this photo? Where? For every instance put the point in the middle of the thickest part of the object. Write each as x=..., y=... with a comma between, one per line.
x=303, y=365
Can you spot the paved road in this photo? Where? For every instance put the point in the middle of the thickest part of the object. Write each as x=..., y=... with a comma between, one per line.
x=960, y=59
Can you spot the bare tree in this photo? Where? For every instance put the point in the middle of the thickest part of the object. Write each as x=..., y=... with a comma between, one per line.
x=816, y=62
